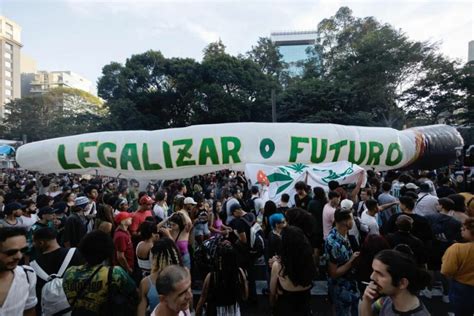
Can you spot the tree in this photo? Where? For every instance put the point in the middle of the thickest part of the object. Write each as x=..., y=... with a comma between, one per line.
x=59, y=112
x=267, y=56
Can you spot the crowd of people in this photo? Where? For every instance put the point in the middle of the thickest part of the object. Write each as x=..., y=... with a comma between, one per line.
x=104, y=246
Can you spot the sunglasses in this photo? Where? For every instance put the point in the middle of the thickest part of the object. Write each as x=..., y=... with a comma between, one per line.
x=13, y=252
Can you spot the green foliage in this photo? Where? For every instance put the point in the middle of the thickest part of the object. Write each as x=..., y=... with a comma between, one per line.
x=60, y=112
x=359, y=72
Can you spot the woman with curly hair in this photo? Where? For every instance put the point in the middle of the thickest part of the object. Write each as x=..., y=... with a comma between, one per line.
x=164, y=253
x=224, y=286
x=292, y=275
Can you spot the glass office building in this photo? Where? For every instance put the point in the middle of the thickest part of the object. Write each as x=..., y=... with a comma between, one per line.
x=293, y=46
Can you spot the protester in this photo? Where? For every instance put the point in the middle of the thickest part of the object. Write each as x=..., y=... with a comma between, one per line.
x=328, y=212
x=75, y=227
x=149, y=235
x=18, y=283
x=50, y=259
x=458, y=266
x=124, y=255
x=292, y=275
x=342, y=287
x=426, y=203
x=13, y=216
x=174, y=288
x=91, y=288
x=225, y=286
x=301, y=197
x=141, y=214
x=164, y=253
x=397, y=277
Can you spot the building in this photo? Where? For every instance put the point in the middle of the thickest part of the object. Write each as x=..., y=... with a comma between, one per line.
x=28, y=69
x=10, y=46
x=293, y=46
x=44, y=81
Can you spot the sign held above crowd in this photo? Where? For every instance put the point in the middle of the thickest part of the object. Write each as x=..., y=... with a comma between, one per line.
x=185, y=152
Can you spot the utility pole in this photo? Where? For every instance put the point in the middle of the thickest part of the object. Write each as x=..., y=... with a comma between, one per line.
x=274, y=110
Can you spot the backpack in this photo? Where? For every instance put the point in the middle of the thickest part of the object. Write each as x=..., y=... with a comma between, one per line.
x=257, y=243
x=251, y=205
x=53, y=298
x=204, y=254
x=223, y=212
x=119, y=304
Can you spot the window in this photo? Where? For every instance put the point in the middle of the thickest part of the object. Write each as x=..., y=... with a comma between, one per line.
x=9, y=30
x=8, y=64
x=8, y=55
x=8, y=92
x=8, y=83
x=8, y=73
x=9, y=46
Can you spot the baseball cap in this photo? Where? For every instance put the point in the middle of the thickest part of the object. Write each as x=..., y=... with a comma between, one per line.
x=235, y=207
x=346, y=204
x=82, y=201
x=189, y=200
x=10, y=207
x=122, y=216
x=146, y=200
x=60, y=207
x=425, y=187
x=45, y=210
x=411, y=186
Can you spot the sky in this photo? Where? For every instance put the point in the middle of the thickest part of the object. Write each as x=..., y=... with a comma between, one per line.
x=84, y=35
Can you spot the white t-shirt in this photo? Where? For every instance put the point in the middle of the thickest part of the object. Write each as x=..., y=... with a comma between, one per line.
x=159, y=211
x=22, y=293
x=29, y=221
x=370, y=222
x=426, y=204
x=328, y=218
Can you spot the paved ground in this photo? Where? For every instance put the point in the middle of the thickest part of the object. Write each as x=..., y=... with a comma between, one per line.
x=321, y=305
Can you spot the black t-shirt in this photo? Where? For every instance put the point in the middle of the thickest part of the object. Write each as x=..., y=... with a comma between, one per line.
x=241, y=226
x=274, y=245
x=444, y=191
x=50, y=263
x=415, y=244
x=421, y=227
x=74, y=229
x=302, y=203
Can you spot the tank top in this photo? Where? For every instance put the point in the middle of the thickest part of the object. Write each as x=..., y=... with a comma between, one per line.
x=152, y=295
x=217, y=225
x=296, y=303
x=144, y=264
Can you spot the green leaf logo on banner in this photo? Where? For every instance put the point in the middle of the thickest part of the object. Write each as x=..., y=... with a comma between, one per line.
x=333, y=175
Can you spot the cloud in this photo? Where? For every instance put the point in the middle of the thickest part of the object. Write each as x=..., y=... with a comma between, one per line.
x=204, y=34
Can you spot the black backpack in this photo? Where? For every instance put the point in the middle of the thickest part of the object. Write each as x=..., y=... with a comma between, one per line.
x=251, y=205
x=223, y=212
x=204, y=254
x=119, y=304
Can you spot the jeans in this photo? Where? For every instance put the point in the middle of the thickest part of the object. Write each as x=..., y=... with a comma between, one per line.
x=345, y=298
x=461, y=298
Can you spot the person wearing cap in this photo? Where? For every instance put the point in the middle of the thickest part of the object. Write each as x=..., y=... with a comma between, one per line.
x=29, y=215
x=13, y=212
x=75, y=227
x=46, y=217
x=90, y=210
x=60, y=209
x=426, y=203
x=241, y=225
x=421, y=226
x=144, y=211
x=124, y=254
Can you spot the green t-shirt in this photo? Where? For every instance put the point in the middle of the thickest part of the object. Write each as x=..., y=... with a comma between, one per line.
x=94, y=298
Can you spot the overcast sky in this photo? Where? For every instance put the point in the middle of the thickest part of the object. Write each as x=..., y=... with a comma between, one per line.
x=84, y=35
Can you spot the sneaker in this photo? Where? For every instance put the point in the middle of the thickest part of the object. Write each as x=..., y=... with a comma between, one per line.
x=445, y=299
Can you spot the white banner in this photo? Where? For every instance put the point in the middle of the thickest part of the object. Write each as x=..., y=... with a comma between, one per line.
x=282, y=179
x=185, y=152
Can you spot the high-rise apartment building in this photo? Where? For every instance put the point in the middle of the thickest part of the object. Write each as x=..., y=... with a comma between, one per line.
x=44, y=81
x=10, y=46
x=28, y=70
x=293, y=46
